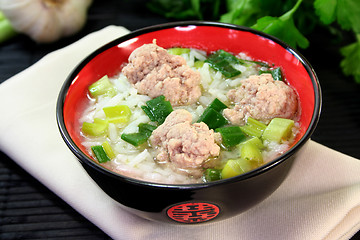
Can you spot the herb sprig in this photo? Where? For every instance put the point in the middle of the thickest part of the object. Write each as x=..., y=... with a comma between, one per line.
x=289, y=20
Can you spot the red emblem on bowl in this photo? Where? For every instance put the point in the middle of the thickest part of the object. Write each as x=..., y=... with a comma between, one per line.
x=193, y=212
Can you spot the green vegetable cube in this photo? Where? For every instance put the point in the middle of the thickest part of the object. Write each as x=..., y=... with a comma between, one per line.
x=250, y=152
x=231, y=136
x=212, y=174
x=199, y=64
x=178, y=50
x=97, y=128
x=278, y=130
x=118, y=113
x=235, y=167
x=253, y=127
x=108, y=150
x=255, y=141
x=102, y=86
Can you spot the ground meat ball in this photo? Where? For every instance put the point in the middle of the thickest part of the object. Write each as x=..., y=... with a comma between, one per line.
x=155, y=72
x=185, y=145
x=262, y=98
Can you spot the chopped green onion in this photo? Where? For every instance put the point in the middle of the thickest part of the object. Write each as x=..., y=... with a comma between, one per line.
x=97, y=128
x=146, y=128
x=158, y=109
x=212, y=116
x=102, y=86
x=255, y=141
x=262, y=64
x=100, y=154
x=178, y=50
x=221, y=61
x=217, y=105
x=253, y=127
x=135, y=139
x=139, y=137
x=108, y=150
x=251, y=152
x=198, y=64
x=212, y=174
x=118, y=113
x=279, y=130
x=231, y=136
x=276, y=73
x=235, y=167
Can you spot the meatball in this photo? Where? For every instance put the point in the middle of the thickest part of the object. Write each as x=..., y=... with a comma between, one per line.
x=185, y=145
x=155, y=72
x=261, y=98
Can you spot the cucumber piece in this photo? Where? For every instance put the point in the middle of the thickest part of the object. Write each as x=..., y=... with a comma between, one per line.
x=278, y=130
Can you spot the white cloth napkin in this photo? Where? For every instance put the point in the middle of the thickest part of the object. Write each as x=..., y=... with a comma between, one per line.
x=320, y=199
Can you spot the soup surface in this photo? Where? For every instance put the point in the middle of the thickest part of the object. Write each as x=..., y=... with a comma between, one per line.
x=182, y=116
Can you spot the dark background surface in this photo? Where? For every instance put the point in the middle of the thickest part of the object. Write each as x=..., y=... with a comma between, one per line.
x=28, y=210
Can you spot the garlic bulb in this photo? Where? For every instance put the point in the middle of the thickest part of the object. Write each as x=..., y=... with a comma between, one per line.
x=46, y=20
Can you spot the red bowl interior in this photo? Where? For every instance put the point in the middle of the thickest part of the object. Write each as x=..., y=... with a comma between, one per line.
x=205, y=37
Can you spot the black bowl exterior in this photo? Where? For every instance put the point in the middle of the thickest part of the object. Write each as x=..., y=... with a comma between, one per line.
x=195, y=203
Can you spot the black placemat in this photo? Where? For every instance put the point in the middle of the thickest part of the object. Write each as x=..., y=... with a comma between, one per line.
x=28, y=210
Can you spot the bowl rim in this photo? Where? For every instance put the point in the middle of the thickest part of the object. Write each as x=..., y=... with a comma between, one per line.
x=83, y=158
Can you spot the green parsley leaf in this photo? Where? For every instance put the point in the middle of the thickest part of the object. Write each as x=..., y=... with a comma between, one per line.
x=283, y=27
x=346, y=12
x=350, y=63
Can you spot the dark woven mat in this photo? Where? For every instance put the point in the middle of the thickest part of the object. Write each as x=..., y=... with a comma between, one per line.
x=28, y=210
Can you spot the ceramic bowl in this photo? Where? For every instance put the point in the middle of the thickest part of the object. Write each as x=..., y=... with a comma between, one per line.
x=193, y=203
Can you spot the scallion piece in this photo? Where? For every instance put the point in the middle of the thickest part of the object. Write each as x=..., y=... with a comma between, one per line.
x=251, y=152
x=212, y=174
x=135, y=139
x=221, y=61
x=139, y=137
x=255, y=141
x=198, y=64
x=100, y=153
x=253, y=127
x=276, y=73
x=102, y=86
x=278, y=130
x=217, y=105
x=212, y=115
x=146, y=128
x=117, y=114
x=212, y=118
x=157, y=109
x=178, y=50
x=231, y=136
x=108, y=150
x=96, y=128
x=235, y=167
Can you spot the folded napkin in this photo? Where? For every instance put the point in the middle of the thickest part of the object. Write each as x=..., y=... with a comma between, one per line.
x=320, y=199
